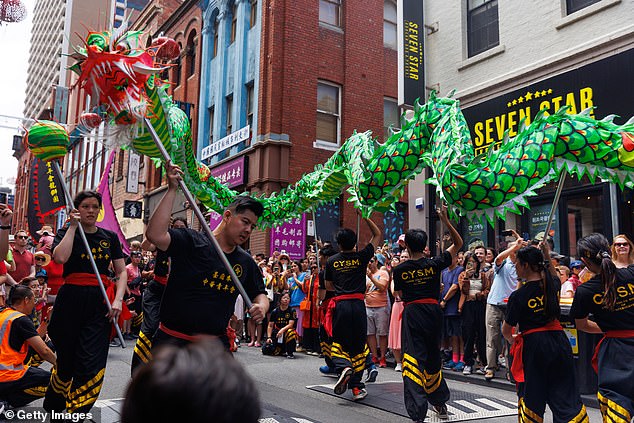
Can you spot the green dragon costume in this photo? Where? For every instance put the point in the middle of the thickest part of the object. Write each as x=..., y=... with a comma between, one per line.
x=115, y=69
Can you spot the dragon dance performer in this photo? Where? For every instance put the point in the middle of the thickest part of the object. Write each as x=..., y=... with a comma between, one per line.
x=281, y=325
x=80, y=325
x=609, y=297
x=151, y=305
x=200, y=296
x=543, y=366
x=325, y=341
x=417, y=283
x=346, y=318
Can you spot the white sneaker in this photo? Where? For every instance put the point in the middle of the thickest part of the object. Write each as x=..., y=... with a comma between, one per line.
x=502, y=361
x=398, y=367
x=467, y=370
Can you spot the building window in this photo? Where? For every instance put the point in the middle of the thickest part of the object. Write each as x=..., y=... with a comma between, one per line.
x=390, y=117
x=482, y=25
x=573, y=6
x=389, y=24
x=253, y=14
x=120, y=165
x=229, y=114
x=250, y=105
x=211, y=125
x=191, y=54
x=215, y=38
x=328, y=112
x=177, y=68
x=330, y=12
x=234, y=22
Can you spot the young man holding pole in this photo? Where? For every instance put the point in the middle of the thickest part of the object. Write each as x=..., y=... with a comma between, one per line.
x=200, y=294
x=417, y=283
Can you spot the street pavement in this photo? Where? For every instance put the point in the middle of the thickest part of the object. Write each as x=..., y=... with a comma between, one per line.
x=295, y=391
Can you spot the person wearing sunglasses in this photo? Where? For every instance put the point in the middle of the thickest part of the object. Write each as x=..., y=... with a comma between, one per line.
x=22, y=258
x=622, y=251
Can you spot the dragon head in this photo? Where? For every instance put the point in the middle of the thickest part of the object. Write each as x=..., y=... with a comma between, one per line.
x=114, y=69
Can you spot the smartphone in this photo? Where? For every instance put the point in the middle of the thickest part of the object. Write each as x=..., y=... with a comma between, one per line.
x=507, y=232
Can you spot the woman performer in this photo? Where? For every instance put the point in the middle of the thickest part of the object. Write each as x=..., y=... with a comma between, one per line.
x=609, y=297
x=543, y=365
x=80, y=325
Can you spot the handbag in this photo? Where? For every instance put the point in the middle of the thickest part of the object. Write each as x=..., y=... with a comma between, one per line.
x=305, y=304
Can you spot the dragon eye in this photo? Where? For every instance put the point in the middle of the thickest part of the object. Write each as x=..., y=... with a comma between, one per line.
x=123, y=46
x=98, y=39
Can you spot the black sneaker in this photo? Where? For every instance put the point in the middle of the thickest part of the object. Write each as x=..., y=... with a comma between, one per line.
x=441, y=411
x=342, y=382
x=290, y=355
x=373, y=372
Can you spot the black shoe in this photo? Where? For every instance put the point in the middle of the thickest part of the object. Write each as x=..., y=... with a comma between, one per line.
x=342, y=382
x=441, y=411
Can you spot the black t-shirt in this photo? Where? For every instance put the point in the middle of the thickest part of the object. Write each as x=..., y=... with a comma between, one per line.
x=347, y=271
x=417, y=279
x=200, y=295
x=280, y=318
x=105, y=247
x=589, y=298
x=526, y=305
x=161, y=265
x=22, y=329
x=322, y=285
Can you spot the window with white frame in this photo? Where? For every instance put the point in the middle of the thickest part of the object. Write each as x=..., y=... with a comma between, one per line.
x=328, y=113
x=389, y=24
x=483, y=30
x=330, y=12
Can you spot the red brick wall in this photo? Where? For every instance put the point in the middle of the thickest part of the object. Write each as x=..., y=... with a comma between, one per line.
x=299, y=53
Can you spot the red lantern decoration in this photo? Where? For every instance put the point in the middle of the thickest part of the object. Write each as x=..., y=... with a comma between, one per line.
x=12, y=11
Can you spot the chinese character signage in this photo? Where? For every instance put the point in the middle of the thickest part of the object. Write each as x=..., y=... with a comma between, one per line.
x=134, y=161
x=231, y=173
x=50, y=194
x=290, y=237
x=226, y=142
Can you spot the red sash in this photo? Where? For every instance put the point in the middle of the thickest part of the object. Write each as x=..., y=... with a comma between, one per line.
x=331, y=308
x=419, y=301
x=180, y=335
x=86, y=279
x=517, y=368
x=609, y=334
x=161, y=279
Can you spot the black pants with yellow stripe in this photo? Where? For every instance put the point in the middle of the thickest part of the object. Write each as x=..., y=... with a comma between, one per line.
x=31, y=386
x=151, y=309
x=549, y=378
x=423, y=381
x=349, y=336
x=325, y=342
x=616, y=379
x=80, y=331
x=287, y=346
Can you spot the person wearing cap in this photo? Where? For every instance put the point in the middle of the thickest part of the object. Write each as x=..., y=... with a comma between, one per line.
x=377, y=308
x=417, y=283
x=346, y=319
x=45, y=242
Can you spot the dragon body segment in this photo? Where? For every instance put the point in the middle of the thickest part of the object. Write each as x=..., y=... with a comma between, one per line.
x=124, y=75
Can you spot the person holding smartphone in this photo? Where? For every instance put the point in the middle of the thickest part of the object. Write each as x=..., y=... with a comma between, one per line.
x=504, y=283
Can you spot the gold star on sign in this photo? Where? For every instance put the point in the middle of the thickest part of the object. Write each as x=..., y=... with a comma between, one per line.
x=537, y=94
x=508, y=104
x=550, y=91
x=544, y=92
x=211, y=285
x=514, y=102
x=528, y=96
x=520, y=100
